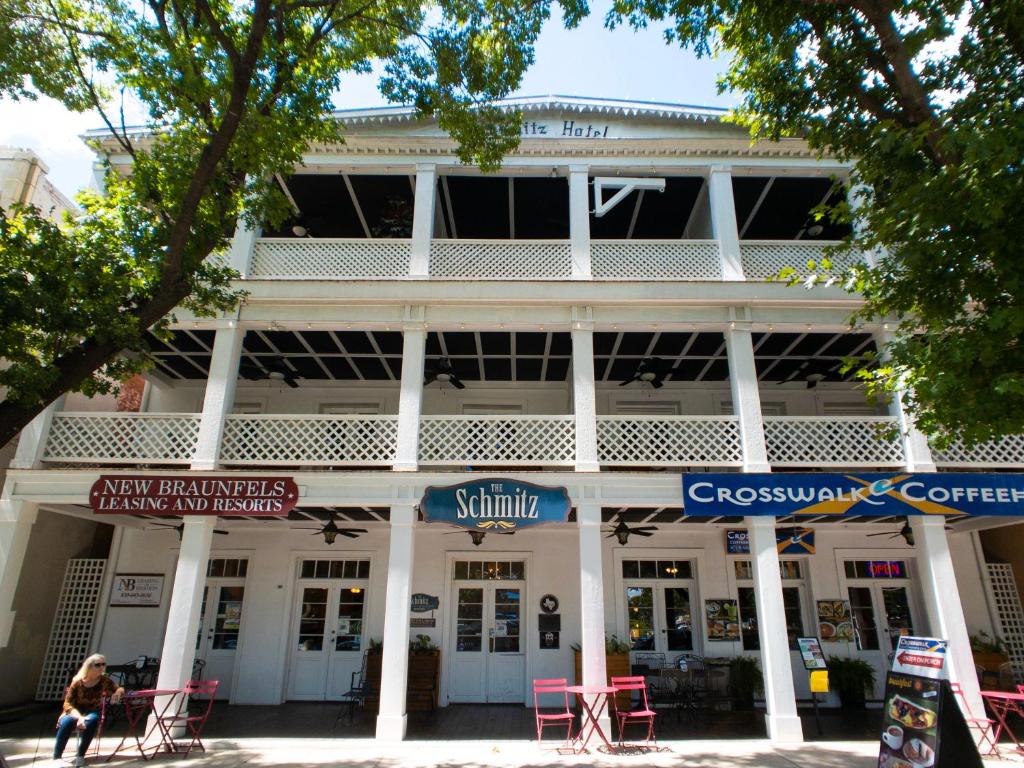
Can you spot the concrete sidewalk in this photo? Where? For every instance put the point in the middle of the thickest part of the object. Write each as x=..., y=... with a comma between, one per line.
x=360, y=753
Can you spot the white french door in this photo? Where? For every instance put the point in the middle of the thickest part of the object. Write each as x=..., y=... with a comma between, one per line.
x=327, y=638
x=660, y=618
x=220, y=623
x=488, y=655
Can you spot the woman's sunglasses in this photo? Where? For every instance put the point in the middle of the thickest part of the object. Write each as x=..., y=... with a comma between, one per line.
x=99, y=663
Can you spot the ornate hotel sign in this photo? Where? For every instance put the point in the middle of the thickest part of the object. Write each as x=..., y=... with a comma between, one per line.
x=495, y=504
x=870, y=493
x=181, y=495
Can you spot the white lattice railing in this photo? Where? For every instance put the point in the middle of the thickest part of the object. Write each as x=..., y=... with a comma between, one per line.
x=309, y=440
x=763, y=259
x=655, y=260
x=286, y=258
x=1007, y=453
x=1009, y=613
x=122, y=438
x=832, y=441
x=501, y=259
x=496, y=440
x=712, y=441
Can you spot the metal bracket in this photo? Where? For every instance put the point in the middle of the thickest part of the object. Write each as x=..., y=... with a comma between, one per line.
x=625, y=185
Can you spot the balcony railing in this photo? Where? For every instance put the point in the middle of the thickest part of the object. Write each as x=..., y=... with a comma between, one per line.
x=122, y=438
x=288, y=258
x=832, y=441
x=1006, y=453
x=498, y=440
x=655, y=260
x=309, y=440
x=657, y=441
x=500, y=259
x=763, y=259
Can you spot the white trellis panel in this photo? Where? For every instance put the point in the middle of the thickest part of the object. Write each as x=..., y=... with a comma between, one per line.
x=72, y=625
x=1006, y=453
x=286, y=258
x=763, y=259
x=712, y=441
x=501, y=259
x=313, y=440
x=1010, y=614
x=122, y=438
x=655, y=260
x=832, y=441
x=497, y=440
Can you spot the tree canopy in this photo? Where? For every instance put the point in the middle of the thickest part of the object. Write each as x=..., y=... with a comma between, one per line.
x=234, y=92
x=927, y=97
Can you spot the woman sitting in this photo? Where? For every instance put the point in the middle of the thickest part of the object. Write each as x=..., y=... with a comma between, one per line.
x=82, y=705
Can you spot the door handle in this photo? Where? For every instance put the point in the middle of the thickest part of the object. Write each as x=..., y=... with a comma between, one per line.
x=490, y=642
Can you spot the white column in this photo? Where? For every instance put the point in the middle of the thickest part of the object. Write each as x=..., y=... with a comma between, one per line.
x=242, y=245
x=942, y=603
x=16, y=520
x=220, y=396
x=179, y=650
x=746, y=399
x=33, y=437
x=723, y=221
x=917, y=454
x=780, y=698
x=579, y=221
x=391, y=719
x=584, y=399
x=588, y=516
x=410, y=399
x=423, y=220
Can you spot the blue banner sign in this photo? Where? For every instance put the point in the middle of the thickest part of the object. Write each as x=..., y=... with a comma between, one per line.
x=421, y=602
x=869, y=493
x=495, y=503
x=790, y=541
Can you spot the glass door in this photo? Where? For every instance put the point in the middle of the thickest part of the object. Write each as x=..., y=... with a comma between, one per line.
x=659, y=619
x=220, y=626
x=488, y=656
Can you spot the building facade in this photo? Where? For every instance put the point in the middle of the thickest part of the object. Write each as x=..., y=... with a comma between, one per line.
x=596, y=318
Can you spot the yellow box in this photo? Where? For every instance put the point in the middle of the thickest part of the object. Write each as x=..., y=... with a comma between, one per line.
x=819, y=681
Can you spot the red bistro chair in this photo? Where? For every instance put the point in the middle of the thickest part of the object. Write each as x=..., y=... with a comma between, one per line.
x=562, y=716
x=1020, y=689
x=193, y=724
x=94, y=747
x=983, y=725
x=643, y=713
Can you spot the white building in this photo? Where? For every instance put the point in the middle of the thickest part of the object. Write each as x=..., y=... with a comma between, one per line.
x=607, y=355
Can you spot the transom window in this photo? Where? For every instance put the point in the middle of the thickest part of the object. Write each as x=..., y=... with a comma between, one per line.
x=486, y=570
x=230, y=567
x=876, y=569
x=657, y=569
x=789, y=569
x=335, y=569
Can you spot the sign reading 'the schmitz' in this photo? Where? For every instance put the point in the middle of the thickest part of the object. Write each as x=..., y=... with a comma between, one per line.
x=170, y=495
x=495, y=503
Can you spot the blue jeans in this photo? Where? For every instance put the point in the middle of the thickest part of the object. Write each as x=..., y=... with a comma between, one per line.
x=66, y=726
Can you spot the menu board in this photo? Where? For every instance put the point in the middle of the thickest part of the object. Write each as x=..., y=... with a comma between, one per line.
x=811, y=653
x=723, y=620
x=835, y=624
x=910, y=721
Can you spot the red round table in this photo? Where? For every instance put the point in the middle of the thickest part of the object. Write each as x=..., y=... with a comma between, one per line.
x=593, y=701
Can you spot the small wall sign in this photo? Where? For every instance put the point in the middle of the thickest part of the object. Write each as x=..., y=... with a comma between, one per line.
x=421, y=621
x=139, y=590
x=835, y=624
x=421, y=603
x=549, y=641
x=549, y=604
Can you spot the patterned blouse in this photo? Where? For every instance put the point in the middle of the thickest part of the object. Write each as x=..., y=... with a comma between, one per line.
x=87, y=699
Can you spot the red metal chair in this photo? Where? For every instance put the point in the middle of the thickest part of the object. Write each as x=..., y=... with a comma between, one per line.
x=1020, y=689
x=562, y=716
x=643, y=713
x=193, y=724
x=984, y=726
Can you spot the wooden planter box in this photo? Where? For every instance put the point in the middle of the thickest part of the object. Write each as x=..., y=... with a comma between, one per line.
x=616, y=665
x=422, y=686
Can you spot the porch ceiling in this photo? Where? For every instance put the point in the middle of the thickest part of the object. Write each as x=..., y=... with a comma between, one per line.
x=499, y=356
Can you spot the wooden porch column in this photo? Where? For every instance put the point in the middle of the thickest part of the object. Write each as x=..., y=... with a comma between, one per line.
x=394, y=672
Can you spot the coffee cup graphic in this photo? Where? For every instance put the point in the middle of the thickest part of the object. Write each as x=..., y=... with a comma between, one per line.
x=893, y=736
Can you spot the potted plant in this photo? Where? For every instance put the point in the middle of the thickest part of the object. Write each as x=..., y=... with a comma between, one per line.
x=989, y=652
x=616, y=663
x=745, y=682
x=851, y=679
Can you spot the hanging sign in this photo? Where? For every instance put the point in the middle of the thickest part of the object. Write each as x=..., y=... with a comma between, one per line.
x=790, y=541
x=421, y=603
x=224, y=496
x=870, y=493
x=495, y=503
x=921, y=656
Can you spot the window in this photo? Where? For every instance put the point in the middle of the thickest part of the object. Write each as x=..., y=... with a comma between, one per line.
x=864, y=618
x=340, y=409
x=876, y=569
x=792, y=602
x=646, y=408
x=468, y=570
x=350, y=619
x=767, y=408
x=334, y=569
x=228, y=567
x=640, y=611
x=657, y=569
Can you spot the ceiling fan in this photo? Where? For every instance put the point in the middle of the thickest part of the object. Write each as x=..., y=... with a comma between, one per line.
x=622, y=531
x=179, y=528
x=906, y=532
x=273, y=369
x=330, y=531
x=443, y=372
x=478, y=536
x=813, y=371
x=652, y=370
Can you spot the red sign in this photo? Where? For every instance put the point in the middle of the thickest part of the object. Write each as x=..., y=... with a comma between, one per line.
x=182, y=495
x=915, y=660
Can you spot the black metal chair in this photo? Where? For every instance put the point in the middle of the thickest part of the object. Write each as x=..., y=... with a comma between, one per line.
x=359, y=690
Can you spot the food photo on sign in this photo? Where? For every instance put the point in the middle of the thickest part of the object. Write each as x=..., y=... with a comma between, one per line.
x=723, y=620
x=910, y=719
x=835, y=625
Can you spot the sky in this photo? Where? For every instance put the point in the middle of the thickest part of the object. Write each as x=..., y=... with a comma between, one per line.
x=587, y=61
